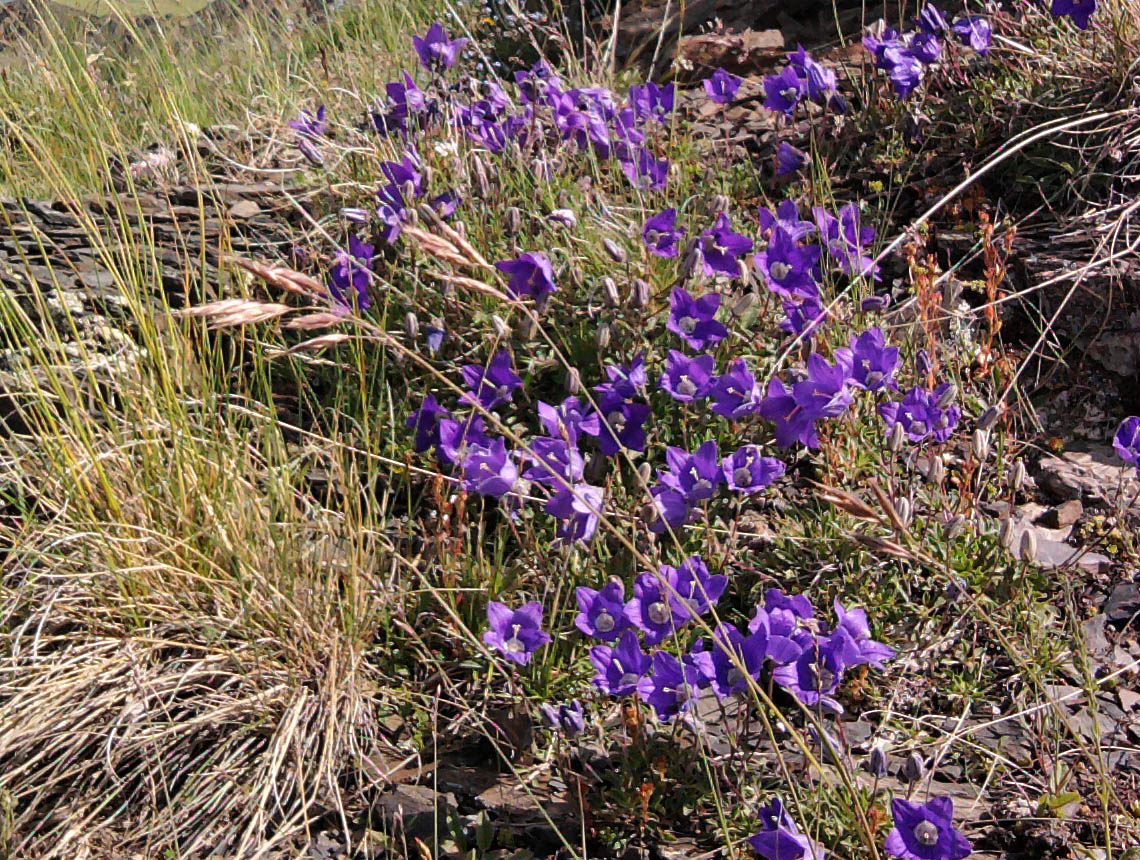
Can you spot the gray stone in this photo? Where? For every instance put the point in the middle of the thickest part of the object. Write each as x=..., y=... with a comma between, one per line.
x=1063, y=515
x=1095, y=476
x=1123, y=604
x=415, y=810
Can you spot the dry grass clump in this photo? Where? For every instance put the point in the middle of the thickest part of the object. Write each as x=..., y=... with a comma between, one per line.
x=183, y=644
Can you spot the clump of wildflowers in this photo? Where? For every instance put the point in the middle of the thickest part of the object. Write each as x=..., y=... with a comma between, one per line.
x=905, y=56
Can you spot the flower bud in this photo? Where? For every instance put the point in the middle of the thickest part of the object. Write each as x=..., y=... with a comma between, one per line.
x=948, y=396
x=871, y=304
x=743, y=304
x=528, y=327
x=641, y=292
x=500, y=326
x=922, y=363
x=936, y=471
x=616, y=251
x=1005, y=534
x=955, y=527
x=351, y=213
x=913, y=768
x=563, y=198
x=311, y=152
x=565, y=217
x=514, y=220
x=1027, y=550
x=408, y=189
x=989, y=418
x=610, y=288
x=480, y=172
x=645, y=473
x=460, y=228
x=720, y=203
x=1017, y=476
x=896, y=438
x=980, y=444
x=903, y=509
x=878, y=761
x=603, y=335
x=411, y=325
x=573, y=381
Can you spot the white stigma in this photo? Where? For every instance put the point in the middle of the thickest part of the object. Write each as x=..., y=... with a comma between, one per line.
x=686, y=387
x=779, y=270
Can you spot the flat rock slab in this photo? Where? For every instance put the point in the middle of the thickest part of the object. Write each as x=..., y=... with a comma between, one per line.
x=1094, y=477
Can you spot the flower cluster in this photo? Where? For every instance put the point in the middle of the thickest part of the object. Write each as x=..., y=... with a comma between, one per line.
x=802, y=79
x=1127, y=441
x=905, y=56
x=784, y=638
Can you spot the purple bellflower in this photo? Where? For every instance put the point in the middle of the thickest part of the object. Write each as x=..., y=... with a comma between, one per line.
x=456, y=437
x=490, y=470
x=786, y=615
x=670, y=509
x=435, y=50
x=621, y=424
x=721, y=248
x=671, y=687
x=579, y=509
x=695, y=476
x=625, y=382
x=787, y=218
x=650, y=609
x=351, y=275
x=780, y=838
x=818, y=671
x=697, y=591
x=493, y=385
x=921, y=416
x=687, y=379
x=1127, y=441
x=717, y=666
x=873, y=363
x=652, y=102
x=310, y=125
x=802, y=318
x=601, y=612
x=556, y=463
x=722, y=87
x=789, y=159
x=977, y=32
x=789, y=269
x=567, y=421
x=662, y=235
x=644, y=171
x=854, y=621
x=538, y=85
x=694, y=320
x=746, y=471
x=518, y=634
x=824, y=394
x=567, y=718
x=736, y=394
x=530, y=275
x=620, y=668
x=784, y=91
x=847, y=240
x=931, y=20
x=425, y=422
x=926, y=831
